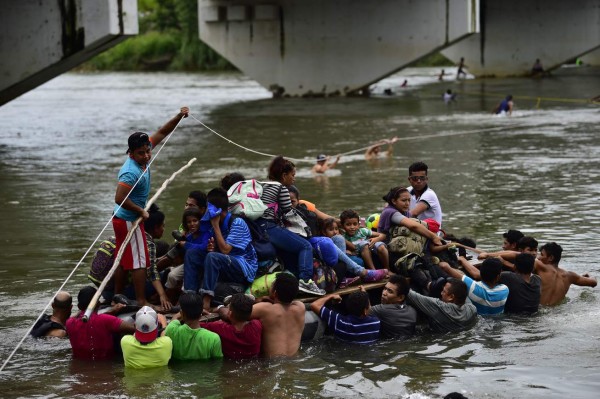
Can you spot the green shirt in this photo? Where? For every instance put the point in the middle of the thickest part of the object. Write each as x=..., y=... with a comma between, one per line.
x=154, y=354
x=193, y=344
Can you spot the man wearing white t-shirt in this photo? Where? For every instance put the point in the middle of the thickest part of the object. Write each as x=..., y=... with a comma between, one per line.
x=424, y=203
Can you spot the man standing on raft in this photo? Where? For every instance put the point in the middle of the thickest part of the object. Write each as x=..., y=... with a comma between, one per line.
x=130, y=199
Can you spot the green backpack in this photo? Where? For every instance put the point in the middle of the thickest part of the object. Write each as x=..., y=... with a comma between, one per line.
x=403, y=241
x=261, y=286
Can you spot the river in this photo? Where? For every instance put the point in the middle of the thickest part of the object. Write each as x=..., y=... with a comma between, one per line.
x=62, y=144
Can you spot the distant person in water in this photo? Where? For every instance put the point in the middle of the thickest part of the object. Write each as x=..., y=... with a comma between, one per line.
x=505, y=106
x=374, y=150
x=441, y=75
x=405, y=83
x=323, y=164
x=461, y=71
x=537, y=68
x=449, y=96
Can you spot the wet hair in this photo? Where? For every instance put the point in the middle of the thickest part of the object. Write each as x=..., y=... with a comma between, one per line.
x=417, y=167
x=84, y=297
x=218, y=197
x=348, y=214
x=459, y=289
x=156, y=218
x=324, y=224
x=554, y=250
x=509, y=97
x=357, y=303
x=65, y=303
x=401, y=284
x=199, y=197
x=230, y=179
x=490, y=269
x=241, y=306
x=278, y=167
x=294, y=189
x=286, y=287
x=394, y=194
x=524, y=263
x=513, y=236
x=527, y=242
x=191, y=304
x=190, y=212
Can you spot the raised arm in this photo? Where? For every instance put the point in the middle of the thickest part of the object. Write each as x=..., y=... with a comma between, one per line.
x=168, y=127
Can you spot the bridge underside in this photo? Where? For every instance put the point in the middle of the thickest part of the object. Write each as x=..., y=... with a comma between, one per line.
x=42, y=39
x=514, y=33
x=333, y=47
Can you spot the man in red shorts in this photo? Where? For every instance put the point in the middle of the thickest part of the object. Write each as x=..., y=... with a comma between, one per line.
x=130, y=198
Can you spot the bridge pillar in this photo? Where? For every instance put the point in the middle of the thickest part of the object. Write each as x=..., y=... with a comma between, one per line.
x=514, y=33
x=42, y=39
x=333, y=47
x=592, y=58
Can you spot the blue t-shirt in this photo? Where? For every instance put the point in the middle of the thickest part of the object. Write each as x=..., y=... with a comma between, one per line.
x=350, y=328
x=487, y=300
x=238, y=236
x=128, y=175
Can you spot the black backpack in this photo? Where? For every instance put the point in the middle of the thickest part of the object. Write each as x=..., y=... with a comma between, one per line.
x=260, y=240
x=310, y=218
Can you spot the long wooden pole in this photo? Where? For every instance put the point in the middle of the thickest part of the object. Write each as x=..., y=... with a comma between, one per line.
x=92, y=305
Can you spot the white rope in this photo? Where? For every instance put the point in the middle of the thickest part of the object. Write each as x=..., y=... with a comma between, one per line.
x=86, y=252
x=246, y=148
x=383, y=142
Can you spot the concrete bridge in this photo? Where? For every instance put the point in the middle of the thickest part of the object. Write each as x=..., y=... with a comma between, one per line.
x=40, y=39
x=310, y=47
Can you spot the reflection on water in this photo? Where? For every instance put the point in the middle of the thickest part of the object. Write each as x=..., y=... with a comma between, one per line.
x=62, y=144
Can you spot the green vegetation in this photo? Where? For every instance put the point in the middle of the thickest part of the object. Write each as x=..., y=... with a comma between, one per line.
x=168, y=40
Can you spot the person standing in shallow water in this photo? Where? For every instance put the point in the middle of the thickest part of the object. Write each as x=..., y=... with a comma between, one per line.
x=133, y=194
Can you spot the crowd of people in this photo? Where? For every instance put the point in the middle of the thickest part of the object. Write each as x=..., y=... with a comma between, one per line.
x=220, y=242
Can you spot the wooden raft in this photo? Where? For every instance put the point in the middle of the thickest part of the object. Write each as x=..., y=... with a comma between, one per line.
x=347, y=290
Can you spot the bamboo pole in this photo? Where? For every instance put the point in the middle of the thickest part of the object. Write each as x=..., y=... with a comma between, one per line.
x=92, y=305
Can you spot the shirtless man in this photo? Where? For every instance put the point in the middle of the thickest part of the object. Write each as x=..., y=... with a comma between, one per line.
x=374, y=150
x=323, y=164
x=282, y=318
x=54, y=326
x=555, y=281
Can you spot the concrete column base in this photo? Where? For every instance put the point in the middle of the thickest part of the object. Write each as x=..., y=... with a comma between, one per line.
x=333, y=47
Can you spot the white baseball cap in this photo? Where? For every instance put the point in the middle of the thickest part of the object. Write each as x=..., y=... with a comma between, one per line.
x=146, y=325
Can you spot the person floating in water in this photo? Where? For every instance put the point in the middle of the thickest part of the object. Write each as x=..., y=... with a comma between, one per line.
x=449, y=96
x=505, y=106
